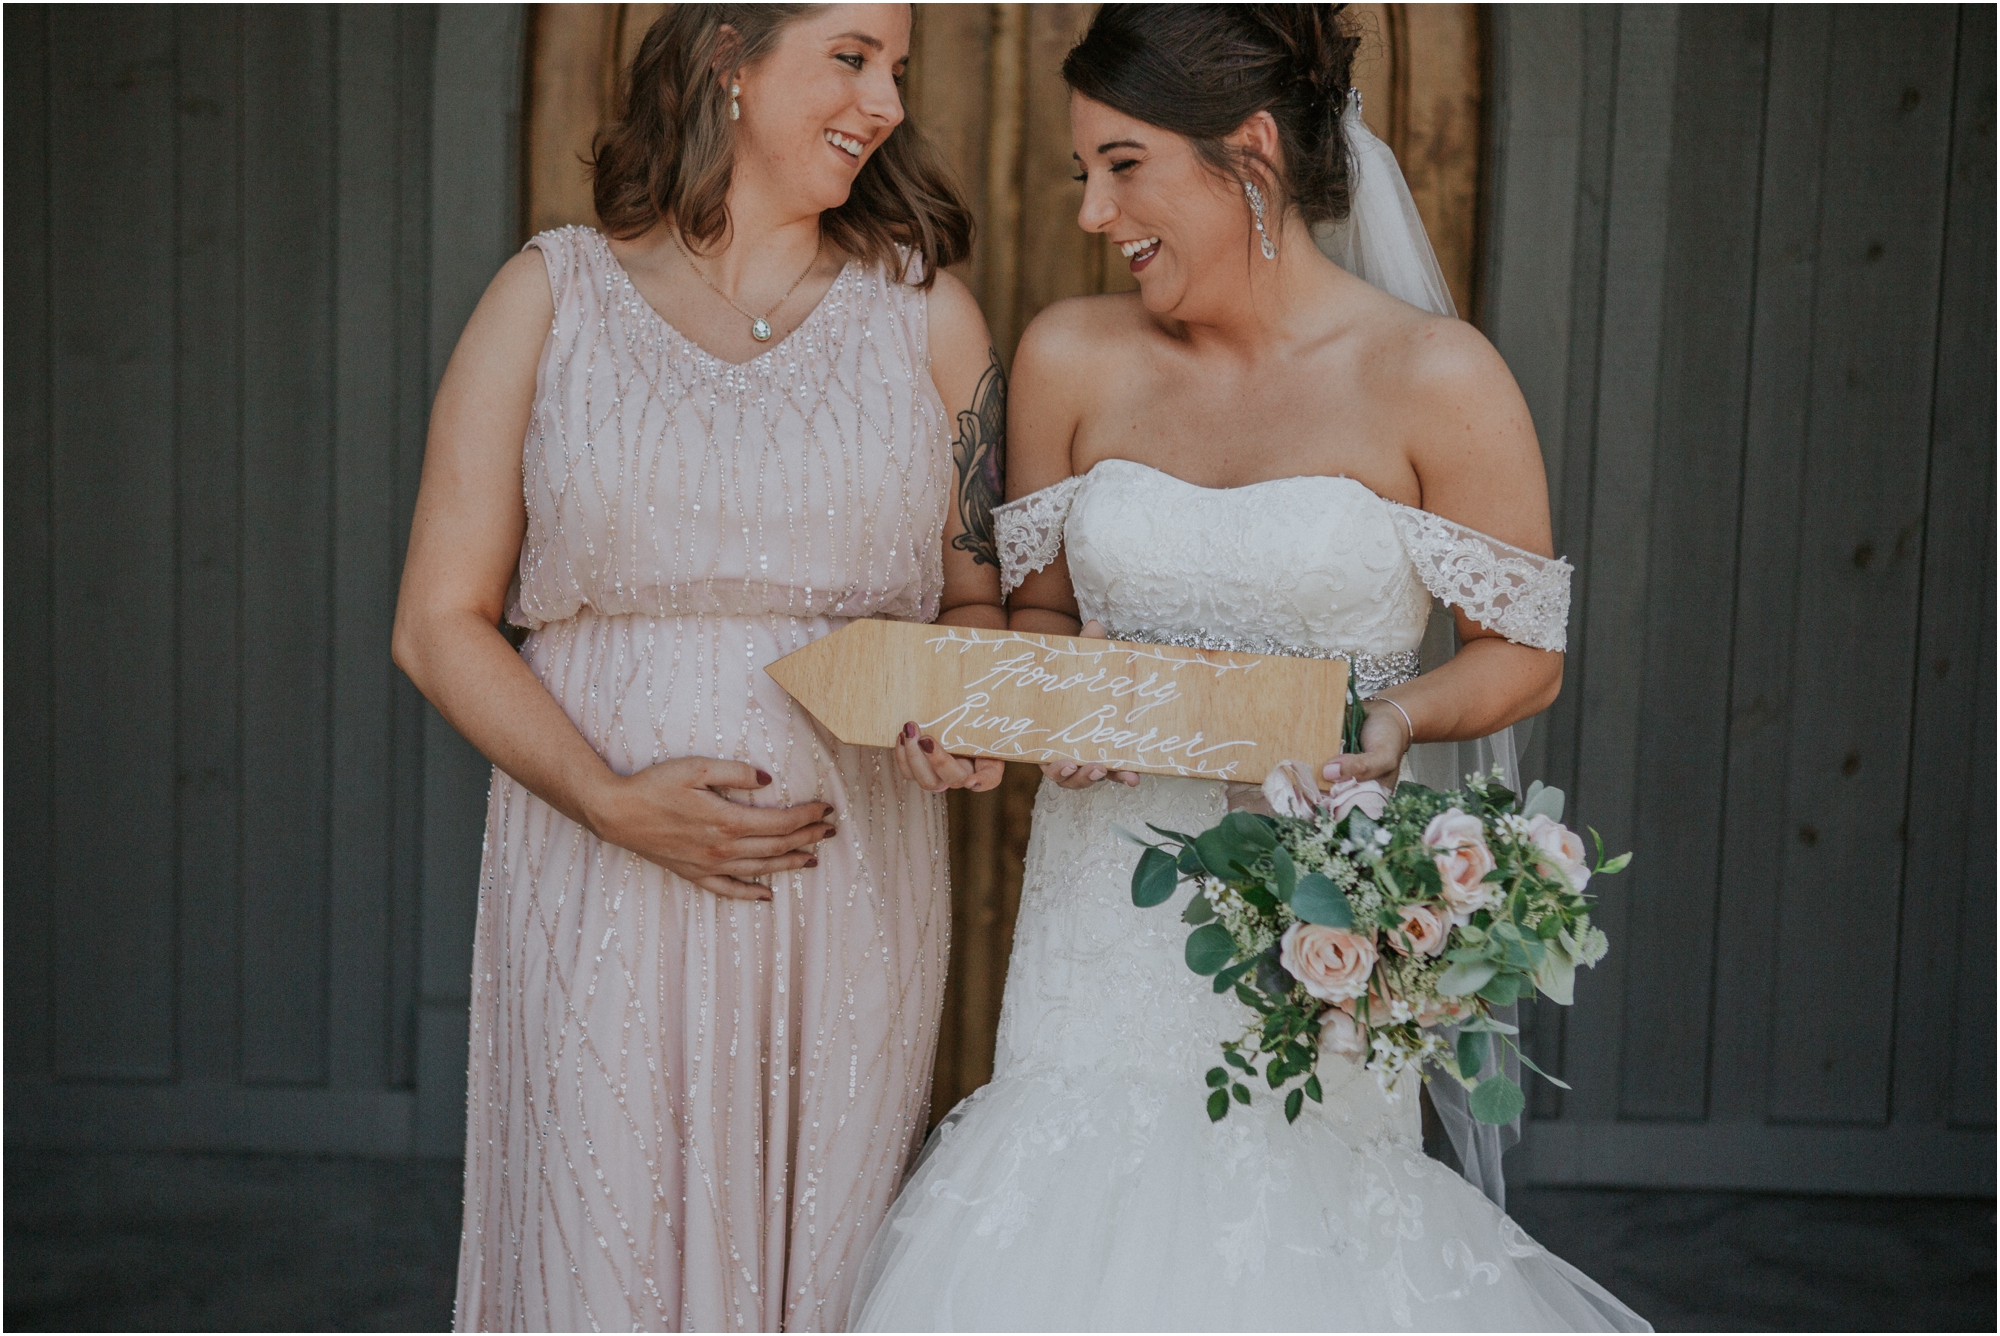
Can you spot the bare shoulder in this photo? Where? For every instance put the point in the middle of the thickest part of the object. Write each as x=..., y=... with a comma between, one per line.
x=1472, y=440
x=953, y=309
x=1072, y=346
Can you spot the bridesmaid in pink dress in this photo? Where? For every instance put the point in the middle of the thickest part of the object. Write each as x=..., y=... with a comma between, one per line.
x=711, y=940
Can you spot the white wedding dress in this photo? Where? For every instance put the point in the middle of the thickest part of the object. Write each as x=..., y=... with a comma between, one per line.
x=1085, y=1188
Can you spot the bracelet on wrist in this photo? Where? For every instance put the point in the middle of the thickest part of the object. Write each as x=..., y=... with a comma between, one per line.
x=1410, y=739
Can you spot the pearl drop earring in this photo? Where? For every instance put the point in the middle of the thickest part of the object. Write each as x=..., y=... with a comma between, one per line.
x=735, y=111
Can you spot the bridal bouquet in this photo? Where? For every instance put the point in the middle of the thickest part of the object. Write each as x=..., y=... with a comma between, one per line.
x=1360, y=922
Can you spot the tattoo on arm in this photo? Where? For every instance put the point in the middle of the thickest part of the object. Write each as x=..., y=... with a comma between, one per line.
x=980, y=457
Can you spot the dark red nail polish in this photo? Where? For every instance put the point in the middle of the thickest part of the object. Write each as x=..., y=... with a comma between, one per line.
x=927, y=745
x=909, y=730
x=763, y=778
x=812, y=862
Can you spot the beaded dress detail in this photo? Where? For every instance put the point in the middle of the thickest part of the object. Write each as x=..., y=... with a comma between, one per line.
x=688, y=1112
x=1084, y=1188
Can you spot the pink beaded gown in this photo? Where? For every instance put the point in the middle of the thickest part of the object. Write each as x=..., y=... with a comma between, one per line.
x=688, y=1112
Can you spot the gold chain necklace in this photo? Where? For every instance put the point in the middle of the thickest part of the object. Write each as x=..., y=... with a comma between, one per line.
x=760, y=325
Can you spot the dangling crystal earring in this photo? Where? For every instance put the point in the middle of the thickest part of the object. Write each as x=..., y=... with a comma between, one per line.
x=735, y=112
x=1257, y=215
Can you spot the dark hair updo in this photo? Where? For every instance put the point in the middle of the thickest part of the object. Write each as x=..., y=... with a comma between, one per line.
x=1202, y=70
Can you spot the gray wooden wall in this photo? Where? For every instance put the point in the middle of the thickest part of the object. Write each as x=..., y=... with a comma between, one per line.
x=1741, y=259
x=240, y=851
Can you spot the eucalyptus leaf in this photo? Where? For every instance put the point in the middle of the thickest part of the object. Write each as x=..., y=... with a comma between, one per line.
x=1543, y=801
x=1209, y=948
x=1249, y=829
x=1480, y=1024
x=1173, y=835
x=1467, y=976
x=1198, y=910
x=1555, y=978
x=1497, y=1100
x=1552, y=1080
x=1284, y=872
x=1317, y=900
x=1188, y=862
x=1472, y=1050
x=1125, y=834
x=1502, y=989
x=1154, y=880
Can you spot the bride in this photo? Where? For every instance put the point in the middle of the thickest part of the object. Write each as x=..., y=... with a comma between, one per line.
x=1259, y=451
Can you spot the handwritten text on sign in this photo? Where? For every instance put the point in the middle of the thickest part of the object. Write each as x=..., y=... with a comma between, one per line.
x=1160, y=709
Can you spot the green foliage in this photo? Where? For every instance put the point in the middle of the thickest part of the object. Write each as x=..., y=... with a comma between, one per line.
x=1218, y=1077
x=1155, y=879
x=1472, y=1048
x=1317, y=900
x=1218, y=1106
x=1497, y=1100
x=1293, y=1103
x=1209, y=948
x=1198, y=911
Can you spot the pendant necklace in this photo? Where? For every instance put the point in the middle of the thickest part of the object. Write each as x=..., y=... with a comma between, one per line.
x=760, y=325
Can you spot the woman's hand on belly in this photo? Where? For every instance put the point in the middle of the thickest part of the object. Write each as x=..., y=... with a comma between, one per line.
x=674, y=814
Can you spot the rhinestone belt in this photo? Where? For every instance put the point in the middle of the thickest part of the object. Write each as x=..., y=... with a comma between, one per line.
x=1372, y=672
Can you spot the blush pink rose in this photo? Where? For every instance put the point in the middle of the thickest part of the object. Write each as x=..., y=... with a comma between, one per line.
x=1562, y=851
x=1423, y=931
x=1443, y=1010
x=1457, y=841
x=1349, y=794
x=1332, y=963
x=1341, y=1035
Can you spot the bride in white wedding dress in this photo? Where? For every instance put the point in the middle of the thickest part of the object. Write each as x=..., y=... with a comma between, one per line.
x=1258, y=451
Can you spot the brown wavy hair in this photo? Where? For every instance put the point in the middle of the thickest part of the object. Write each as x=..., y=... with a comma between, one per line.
x=670, y=153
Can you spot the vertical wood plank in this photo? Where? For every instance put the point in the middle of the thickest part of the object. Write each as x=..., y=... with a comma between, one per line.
x=1058, y=255
x=28, y=582
x=413, y=396
x=112, y=488
x=572, y=47
x=367, y=359
x=1948, y=898
x=1000, y=249
x=1683, y=723
x=288, y=310
x=1754, y=840
x=948, y=91
x=1874, y=337
x=1617, y=558
x=209, y=42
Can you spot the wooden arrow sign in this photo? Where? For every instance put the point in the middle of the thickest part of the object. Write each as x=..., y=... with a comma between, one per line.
x=1158, y=709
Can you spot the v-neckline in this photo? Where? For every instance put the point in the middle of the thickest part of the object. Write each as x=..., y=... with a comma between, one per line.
x=625, y=277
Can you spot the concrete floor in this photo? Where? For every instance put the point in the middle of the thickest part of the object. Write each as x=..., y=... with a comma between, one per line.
x=247, y=1242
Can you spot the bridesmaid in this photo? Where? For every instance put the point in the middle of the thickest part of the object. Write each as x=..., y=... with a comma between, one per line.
x=711, y=940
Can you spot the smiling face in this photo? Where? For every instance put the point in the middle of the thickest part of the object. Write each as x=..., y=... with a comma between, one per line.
x=823, y=101
x=1182, y=228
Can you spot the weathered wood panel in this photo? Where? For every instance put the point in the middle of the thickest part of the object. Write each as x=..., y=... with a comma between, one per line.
x=30, y=686
x=209, y=44
x=1682, y=744
x=1615, y=561
x=1944, y=1006
x=1859, y=559
x=1765, y=582
x=112, y=535
x=289, y=136
x=1821, y=695
x=204, y=525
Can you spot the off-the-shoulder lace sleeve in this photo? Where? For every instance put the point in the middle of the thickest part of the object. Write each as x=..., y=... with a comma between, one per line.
x=1029, y=531
x=1522, y=596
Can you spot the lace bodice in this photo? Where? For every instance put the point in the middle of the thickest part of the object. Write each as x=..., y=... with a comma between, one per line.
x=1286, y=566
